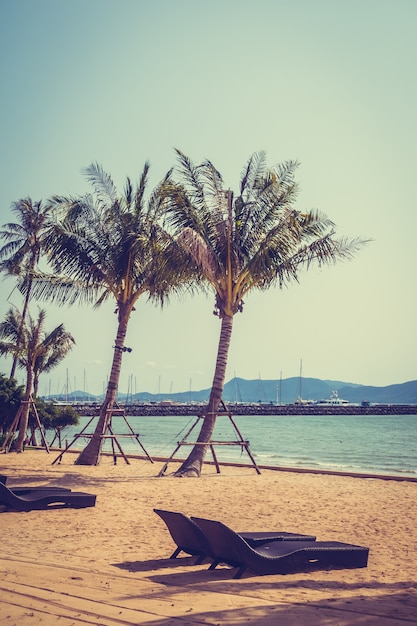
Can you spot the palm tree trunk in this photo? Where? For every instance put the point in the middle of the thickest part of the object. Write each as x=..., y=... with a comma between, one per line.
x=33, y=440
x=21, y=325
x=24, y=416
x=193, y=464
x=91, y=453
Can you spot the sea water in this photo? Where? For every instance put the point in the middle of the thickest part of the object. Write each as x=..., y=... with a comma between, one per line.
x=383, y=444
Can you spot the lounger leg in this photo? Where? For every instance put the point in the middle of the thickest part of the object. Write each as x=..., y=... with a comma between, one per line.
x=199, y=559
x=239, y=572
x=214, y=564
x=175, y=553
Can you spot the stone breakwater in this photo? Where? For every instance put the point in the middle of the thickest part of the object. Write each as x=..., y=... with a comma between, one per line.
x=162, y=409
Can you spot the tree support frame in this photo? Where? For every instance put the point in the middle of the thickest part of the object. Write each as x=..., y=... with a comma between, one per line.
x=108, y=434
x=243, y=443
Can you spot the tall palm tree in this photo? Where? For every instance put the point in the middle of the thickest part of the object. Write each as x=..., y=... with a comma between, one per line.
x=21, y=254
x=109, y=246
x=36, y=347
x=244, y=243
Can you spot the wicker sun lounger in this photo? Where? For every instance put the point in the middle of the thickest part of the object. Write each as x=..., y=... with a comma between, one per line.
x=44, y=499
x=190, y=539
x=277, y=557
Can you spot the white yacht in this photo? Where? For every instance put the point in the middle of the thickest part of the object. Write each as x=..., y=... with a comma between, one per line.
x=334, y=399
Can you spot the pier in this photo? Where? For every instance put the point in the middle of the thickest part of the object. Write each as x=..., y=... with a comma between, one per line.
x=166, y=409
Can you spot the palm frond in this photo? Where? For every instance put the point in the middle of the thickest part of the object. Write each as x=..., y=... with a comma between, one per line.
x=12, y=231
x=62, y=290
x=201, y=254
x=102, y=183
x=157, y=202
x=128, y=192
x=254, y=171
x=139, y=195
x=286, y=265
x=191, y=175
x=7, y=347
x=9, y=328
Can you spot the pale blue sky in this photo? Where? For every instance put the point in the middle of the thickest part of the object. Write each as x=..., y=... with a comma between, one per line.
x=331, y=83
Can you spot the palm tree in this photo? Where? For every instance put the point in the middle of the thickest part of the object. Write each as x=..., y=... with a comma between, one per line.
x=106, y=246
x=244, y=243
x=21, y=254
x=38, y=351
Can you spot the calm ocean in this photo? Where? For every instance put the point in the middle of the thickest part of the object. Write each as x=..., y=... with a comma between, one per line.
x=370, y=444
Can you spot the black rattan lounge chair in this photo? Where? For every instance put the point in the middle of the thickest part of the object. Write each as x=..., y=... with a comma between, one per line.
x=186, y=534
x=44, y=499
x=190, y=539
x=278, y=557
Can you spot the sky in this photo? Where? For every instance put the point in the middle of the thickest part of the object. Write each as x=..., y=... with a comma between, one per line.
x=329, y=83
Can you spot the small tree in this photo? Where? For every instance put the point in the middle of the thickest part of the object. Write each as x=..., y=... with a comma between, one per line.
x=35, y=344
x=56, y=418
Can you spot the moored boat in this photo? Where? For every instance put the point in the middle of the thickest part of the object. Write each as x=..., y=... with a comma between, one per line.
x=334, y=400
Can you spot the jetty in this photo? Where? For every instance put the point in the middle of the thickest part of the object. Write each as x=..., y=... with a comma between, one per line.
x=175, y=409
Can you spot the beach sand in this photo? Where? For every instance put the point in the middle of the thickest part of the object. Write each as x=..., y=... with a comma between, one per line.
x=109, y=564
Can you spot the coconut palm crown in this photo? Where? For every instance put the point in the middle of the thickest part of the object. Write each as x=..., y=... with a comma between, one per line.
x=249, y=241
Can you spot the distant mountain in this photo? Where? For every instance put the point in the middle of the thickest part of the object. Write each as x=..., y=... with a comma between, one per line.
x=275, y=392
x=73, y=396
x=289, y=390
x=405, y=393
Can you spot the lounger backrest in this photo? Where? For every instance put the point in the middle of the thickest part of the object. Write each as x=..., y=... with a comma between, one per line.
x=185, y=533
x=225, y=544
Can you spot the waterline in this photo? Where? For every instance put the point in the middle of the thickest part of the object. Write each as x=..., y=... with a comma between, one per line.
x=355, y=444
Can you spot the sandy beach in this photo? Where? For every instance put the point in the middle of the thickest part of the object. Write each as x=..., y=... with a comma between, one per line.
x=109, y=564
